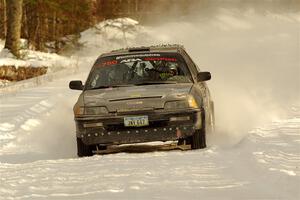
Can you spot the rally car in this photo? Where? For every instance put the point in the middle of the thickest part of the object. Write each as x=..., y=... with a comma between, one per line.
x=144, y=94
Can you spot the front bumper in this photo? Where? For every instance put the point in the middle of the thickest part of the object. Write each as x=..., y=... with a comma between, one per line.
x=111, y=130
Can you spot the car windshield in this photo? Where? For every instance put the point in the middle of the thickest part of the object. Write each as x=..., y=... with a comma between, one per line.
x=138, y=69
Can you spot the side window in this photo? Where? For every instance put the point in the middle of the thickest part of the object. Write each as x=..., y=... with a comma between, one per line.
x=192, y=66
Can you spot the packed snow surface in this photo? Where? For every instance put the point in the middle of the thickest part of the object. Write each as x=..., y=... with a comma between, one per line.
x=254, y=154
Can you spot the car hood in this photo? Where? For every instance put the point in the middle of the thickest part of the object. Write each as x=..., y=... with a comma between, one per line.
x=136, y=98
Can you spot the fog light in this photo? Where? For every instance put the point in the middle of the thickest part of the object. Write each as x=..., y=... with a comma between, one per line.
x=185, y=118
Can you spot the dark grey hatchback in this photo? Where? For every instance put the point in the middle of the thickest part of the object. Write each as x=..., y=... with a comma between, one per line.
x=140, y=95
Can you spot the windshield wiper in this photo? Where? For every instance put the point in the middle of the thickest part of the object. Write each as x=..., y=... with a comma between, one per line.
x=109, y=86
x=155, y=82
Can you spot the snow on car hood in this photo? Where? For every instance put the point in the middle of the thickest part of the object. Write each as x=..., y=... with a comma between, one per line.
x=136, y=97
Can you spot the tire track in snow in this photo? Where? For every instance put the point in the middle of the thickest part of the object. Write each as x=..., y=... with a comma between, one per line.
x=116, y=175
x=279, y=146
x=29, y=126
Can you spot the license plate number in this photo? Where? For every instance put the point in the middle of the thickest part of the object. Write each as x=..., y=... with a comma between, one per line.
x=136, y=121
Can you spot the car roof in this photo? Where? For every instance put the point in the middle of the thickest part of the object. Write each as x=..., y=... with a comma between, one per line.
x=175, y=48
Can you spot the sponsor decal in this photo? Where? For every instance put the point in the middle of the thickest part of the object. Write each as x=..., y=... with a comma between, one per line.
x=131, y=60
x=110, y=62
x=161, y=59
x=137, y=56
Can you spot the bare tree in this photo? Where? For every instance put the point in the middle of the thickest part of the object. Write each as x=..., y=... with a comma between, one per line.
x=14, y=19
x=4, y=17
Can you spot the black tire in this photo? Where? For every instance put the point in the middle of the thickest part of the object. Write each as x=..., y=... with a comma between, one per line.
x=198, y=140
x=83, y=150
x=180, y=141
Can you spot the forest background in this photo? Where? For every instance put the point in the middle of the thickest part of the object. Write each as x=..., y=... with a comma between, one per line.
x=45, y=23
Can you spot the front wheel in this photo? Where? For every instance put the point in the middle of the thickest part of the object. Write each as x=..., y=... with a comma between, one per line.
x=198, y=140
x=83, y=149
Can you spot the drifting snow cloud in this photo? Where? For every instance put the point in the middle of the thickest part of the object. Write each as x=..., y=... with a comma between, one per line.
x=254, y=60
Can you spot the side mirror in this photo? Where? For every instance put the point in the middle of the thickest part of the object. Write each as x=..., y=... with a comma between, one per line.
x=76, y=85
x=203, y=76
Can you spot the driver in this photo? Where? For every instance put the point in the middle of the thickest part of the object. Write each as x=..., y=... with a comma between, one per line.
x=118, y=74
x=173, y=69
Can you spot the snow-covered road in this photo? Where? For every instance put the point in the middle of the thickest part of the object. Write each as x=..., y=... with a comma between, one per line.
x=255, y=153
x=38, y=159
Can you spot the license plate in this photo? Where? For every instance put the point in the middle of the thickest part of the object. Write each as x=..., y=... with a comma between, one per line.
x=136, y=121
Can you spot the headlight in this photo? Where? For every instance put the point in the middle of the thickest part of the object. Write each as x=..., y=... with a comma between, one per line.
x=95, y=110
x=176, y=105
x=78, y=110
x=192, y=102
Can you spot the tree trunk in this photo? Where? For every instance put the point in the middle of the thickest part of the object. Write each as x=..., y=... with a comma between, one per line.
x=55, y=29
x=4, y=18
x=14, y=15
x=25, y=28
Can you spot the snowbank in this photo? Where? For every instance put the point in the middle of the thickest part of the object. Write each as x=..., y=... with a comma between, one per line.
x=35, y=59
x=4, y=83
x=110, y=30
x=109, y=35
x=32, y=64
